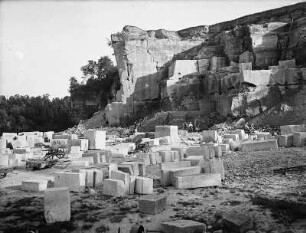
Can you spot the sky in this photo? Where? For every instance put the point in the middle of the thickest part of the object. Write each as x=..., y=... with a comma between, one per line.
x=44, y=43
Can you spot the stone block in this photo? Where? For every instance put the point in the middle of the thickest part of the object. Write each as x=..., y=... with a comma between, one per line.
x=216, y=63
x=81, y=162
x=75, y=150
x=287, y=129
x=181, y=150
x=74, y=181
x=194, y=150
x=142, y=169
x=4, y=160
x=169, y=155
x=34, y=185
x=286, y=64
x=285, y=140
x=197, y=181
x=122, y=149
x=65, y=136
x=144, y=185
x=209, y=135
x=59, y=143
x=115, y=188
x=21, y=150
x=164, y=140
x=152, y=204
x=57, y=205
x=218, y=151
x=93, y=176
x=259, y=145
x=153, y=157
x=183, y=171
x=217, y=166
x=132, y=184
x=234, y=222
x=129, y=167
x=96, y=139
x=225, y=148
x=235, y=137
x=203, y=65
x=13, y=162
x=262, y=135
x=241, y=132
x=112, y=167
x=194, y=160
x=125, y=177
x=82, y=143
x=145, y=158
x=96, y=156
x=183, y=226
x=299, y=139
x=168, y=165
x=3, y=143
x=246, y=57
x=245, y=66
x=48, y=135
x=256, y=77
x=167, y=130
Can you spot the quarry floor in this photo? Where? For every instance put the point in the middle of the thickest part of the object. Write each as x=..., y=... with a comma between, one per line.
x=275, y=202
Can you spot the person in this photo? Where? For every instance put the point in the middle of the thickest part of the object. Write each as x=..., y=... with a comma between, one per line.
x=190, y=127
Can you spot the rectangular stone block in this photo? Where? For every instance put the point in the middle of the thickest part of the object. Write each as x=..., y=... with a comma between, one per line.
x=132, y=184
x=259, y=145
x=240, y=132
x=262, y=135
x=21, y=150
x=65, y=136
x=245, y=66
x=57, y=205
x=115, y=188
x=131, y=168
x=181, y=150
x=167, y=130
x=125, y=177
x=145, y=158
x=3, y=143
x=74, y=181
x=96, y=156
x=81, y=162
x=122, y=149
x=209, y=135
x=256, y=77
x=13, y=162
x=285, y=140
x=183, y=171
x=144, y=185
x=169, y=155
x=34, y=185
x=194, y=150
x=299, y=139
x=82, y=143
x=112, y=167
x=75, y=151
x=168, y=165
x=194, y=160
x=59, y=143
x=235, y=137
x=197, y=181
x=287, y=129
x=217, y=166
x=4, y=160
x=225, y=147
x=153, y=157
x=284, y=64
x=93, y=176
x=183, y=226
x=142, y=169
x=152, y=204
x=96, y=138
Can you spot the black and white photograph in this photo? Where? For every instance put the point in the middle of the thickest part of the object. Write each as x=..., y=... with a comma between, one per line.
x=153, y=116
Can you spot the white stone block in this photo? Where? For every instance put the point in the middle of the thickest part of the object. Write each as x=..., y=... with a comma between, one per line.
x=74, y=181
x=299, y=139
x=4, y=160
x=197, y=181
x=57, y=205
x=259, y=145
x=115, y=188
x=34, y=185
x=96, y=138
x=144, y=185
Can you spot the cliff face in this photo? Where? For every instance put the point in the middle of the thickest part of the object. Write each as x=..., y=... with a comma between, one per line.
x=237, y=67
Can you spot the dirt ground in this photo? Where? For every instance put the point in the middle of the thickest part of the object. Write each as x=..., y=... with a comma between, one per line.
x=275, y=202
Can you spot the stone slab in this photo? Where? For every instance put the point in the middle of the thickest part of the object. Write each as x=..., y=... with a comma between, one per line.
x=74, y=181
x=183, y=226
x=183, y=171
x=144, y=185
x=115, y=188
x=197, y=181
x=259, y=145
x=34, y=185
x=152, y=204
x=57, y=206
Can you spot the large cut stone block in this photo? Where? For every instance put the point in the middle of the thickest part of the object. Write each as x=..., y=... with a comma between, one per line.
x=96, y=156
x=144, y=185
x=115, y=188
x=74, y=181
x=93, y=176
x=241, y=132
x=194, y=160
x=145, y=158
x=194, y=150
x=169, y=155
x=2, y=143
x=217, y=166
x=287, y=129
x=57, y=205
x=197, y=181
x=181, y=150
x=82, y=143
x=234, y=222
x=299, y=139
x=152, y=204
x=81, y=162
x=34, y=185
x=285, y=140
x=65, y=136
x=59, y=143
x=286, y=64
x=4, y=160
x=216, y=63
x=245, y=66
x=183, y=171
x=235, y=137
x=167, y=130
x=210, y=135
x=259, y=145
x=169, y=165
x=96, y=138
x=256, y=77
x=129, y=167
x=183, y=226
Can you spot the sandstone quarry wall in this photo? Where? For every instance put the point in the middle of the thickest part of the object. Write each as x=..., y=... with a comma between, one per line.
x=236, y=68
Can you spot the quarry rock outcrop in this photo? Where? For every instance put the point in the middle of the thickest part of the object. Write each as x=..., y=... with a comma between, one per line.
x=252, y=66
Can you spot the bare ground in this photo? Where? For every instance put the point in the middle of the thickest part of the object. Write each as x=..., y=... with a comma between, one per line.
x=275, y=202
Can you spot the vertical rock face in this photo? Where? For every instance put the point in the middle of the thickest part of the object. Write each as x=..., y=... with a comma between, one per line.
x=196, y=69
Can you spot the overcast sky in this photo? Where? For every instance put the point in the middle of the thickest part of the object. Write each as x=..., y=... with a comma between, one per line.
x=43, y=43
